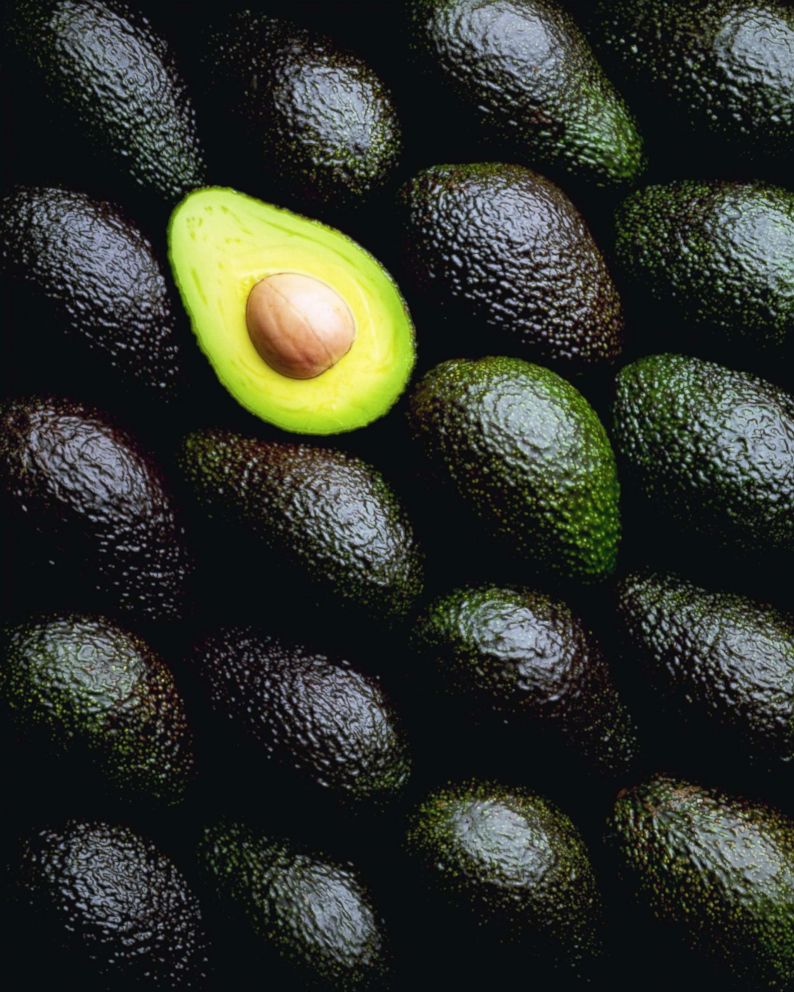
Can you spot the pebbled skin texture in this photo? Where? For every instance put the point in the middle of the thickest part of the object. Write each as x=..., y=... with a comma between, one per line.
x=103, y=67
x=502, y=246
x=532, y=83
x=313, y=714
x=717, y=661
x=319, y=118
x=712, y=447
x=527, y=657
x=119, y=909
x=516, y=862
x=315, y=912
x=100, y=278
x=327, y=513
x=724, y=67
x=718, y=255
x=74, y=483
x=526, y=452
x=94, y=691
x=715, y=868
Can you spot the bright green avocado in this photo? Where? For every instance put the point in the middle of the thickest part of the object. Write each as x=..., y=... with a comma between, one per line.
x=223, y=243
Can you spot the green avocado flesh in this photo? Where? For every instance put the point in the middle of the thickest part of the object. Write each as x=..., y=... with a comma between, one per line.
x=221, y=243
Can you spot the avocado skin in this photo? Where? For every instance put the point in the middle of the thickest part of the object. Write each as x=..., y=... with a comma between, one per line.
x=316, y=715
x=504, y=248
x=111, y=78
x=524, y=450
x=97, y=692
x=721, y=663
x=86, y=502
x=527, y=658
x=314, y=912
x=532, y=83
x=711, y=447
x=329, y=515
x=92, y=279
x=317, y=122
x=718, y=255
x=716, y=869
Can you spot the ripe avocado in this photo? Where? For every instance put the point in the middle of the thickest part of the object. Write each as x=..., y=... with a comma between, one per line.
x=225, y=248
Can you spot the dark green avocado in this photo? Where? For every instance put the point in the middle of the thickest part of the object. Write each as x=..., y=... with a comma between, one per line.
x=503, y=248
x=524, y=450
x=527, y=658
x=90, y=690
x=315, y=715
x=531, y=82
x=716, y=870
x=711, y=447
x=716, y=255
x=313, y=912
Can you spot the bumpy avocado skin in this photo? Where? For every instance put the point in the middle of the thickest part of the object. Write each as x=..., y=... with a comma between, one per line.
x=94, y=281
x=532, y=83
x=716, y=869
x=313, y=911
x=718, y=255
x=88, y=687
x=87, y=502
x=721, y=663
x=105, y=71
x=312, y=713
x=329, y=515
x=526, y=452
x=711, y=447
x=505, y=248
x=528, y=658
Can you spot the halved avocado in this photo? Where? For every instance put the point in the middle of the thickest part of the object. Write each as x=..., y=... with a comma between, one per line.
x=222, y=244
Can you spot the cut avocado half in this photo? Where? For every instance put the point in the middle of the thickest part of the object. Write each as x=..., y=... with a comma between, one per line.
x=301, y=325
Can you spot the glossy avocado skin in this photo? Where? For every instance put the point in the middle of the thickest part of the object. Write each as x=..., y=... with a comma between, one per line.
x=111, y=79
x=79, y=269
x=504, y=248
x=527, y=658
x=89, y=505
x=717, y=255
x=721, y=664
x=85, y=686
x=529, y=78
x=314, y=912
x=115, y=912
x=524, y=450
x=710, y=447
x=328, y=515
x=314, y=714
x=716, y=870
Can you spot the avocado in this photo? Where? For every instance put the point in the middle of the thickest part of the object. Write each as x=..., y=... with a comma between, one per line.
x=529, y=660
x=302, y=326
x=721, y=664
x=716, y=255
x=102, y=908
x=716, y=870
x=83, y=274
x=532, y=84
x=316, y=715
x=90, y=689
x=327, y=515
x=504, y=249
x=526, y=452
x=712, y=448
x=312, y=911
x=110, y=84
x=295, y=114
x=83, y=502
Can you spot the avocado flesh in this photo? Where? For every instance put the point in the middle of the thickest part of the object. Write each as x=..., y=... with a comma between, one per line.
x=221, y=244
